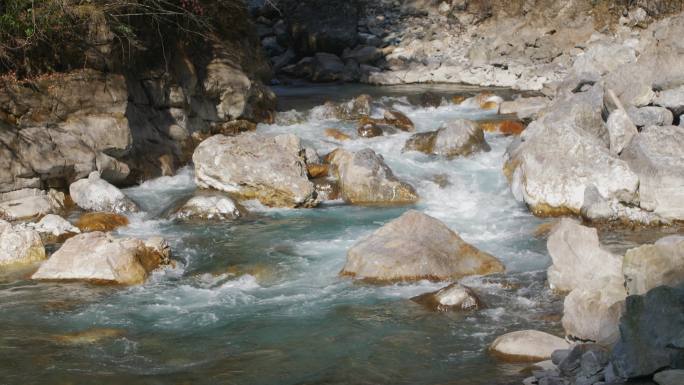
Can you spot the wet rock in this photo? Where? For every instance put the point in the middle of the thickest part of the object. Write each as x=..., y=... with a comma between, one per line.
x=656, y=155
x=89, y=336
x=649, y=266
x=327, y=189
x=651, y=333
x=55, y=229
x=595, y=207
x=594, y=314
x=425, y=99
x=100, y=258
x=669, y=377
x=19, y=246
x=506, y=127
x=336, y=134
x=269, y=168
x=526, y=346
x=369, y=128
x=208, y=207
x=355, y=109
x=621, y=130
x=452, y=297
x=456, y=138
x=96, y=194
x=578, y=260
x=101, y=222
x=366, y=179
x=29, y=204
x=414, y=247
x=399, y=120
x=650, y=116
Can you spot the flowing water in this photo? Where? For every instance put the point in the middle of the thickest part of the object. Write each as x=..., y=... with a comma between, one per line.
x=259, y=300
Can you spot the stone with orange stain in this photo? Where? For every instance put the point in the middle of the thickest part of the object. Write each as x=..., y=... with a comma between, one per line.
x=317, y=170
x=336, y=134
x=506, y=127
x=101, y=221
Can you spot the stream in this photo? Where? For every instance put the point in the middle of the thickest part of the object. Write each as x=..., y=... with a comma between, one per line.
x=259, y=300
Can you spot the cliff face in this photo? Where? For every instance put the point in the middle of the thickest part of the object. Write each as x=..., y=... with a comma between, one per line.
x=132, y=112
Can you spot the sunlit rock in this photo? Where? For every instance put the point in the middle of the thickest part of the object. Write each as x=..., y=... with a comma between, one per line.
x=527, y=346
x=416, y=246
x=96, y=194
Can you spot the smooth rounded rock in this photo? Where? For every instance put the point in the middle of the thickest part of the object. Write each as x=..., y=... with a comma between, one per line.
x=96, y=194
x=527, y=346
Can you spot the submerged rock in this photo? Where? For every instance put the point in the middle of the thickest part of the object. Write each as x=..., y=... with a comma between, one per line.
x=336, y=134
x=416, y=246
x=651, y=333
x=456, y=138
x=366, y=179
x=527, y=346
x=29, y=204
x=656, y=155
x=368, y=128
x=202, y=207
x=399, y=120
x=96, y=194
x=269, y=168
x=649, y=266
x=452, y=297
x=19, y=246
x=578, y=260
x=100, y=258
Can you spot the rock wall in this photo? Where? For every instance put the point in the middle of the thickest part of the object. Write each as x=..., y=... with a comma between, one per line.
x=135, y=114
x=518, y=43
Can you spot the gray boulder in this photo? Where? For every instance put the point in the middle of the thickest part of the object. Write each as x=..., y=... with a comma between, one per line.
x=651, y=333
x=416, y=246
x=321, y=25
x=621, y=130
x=669, y=377
x=656, y=155
x=456, y=138
x=649, y=266
x=364, y=178
x=578, y=260
x=327, y=68
x=269, y=168
x=96, y=194
x=672, y=99
x=650, y=116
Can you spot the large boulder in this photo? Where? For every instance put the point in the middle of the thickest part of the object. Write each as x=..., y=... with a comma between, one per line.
x=563, y=153
x=656, y=155
x=366, y=179
x=416, y=246
x=452, y=297
x=96, y=194
x=269, y=168
x=651, y=333
x=649, y=266
x=100, y=258
x=578, y=260
x=456, y=138
x=527, y=346
x=30, y=204
x=594, y=314
x=19, y=246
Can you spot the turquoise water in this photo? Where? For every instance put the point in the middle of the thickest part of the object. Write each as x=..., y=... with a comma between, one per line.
x=259, y=300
